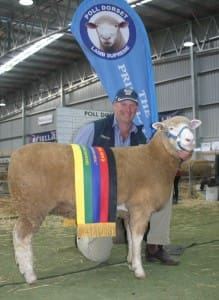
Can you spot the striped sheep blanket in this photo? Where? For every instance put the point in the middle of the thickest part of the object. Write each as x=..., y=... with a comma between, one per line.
x=95, y=191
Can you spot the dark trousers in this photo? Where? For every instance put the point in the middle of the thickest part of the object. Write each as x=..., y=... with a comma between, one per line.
x=176, y=188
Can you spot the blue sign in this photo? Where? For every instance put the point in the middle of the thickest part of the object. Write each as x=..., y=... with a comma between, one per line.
x=48, y=136
x=114, y=40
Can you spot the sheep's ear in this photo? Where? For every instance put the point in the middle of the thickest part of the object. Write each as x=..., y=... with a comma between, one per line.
x=158, y=126
x=195, y=123
x=91, y=25
x=123, y=24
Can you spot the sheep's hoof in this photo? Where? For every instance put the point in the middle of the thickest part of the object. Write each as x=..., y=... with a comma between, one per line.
x=129, y=259
x=31, y=278
x=33, y=282
x=140, y=275
x=130, y=267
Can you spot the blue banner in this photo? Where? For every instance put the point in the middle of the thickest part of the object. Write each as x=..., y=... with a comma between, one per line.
x=114, y=40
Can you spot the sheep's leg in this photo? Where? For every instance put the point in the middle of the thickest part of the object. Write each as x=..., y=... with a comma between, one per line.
x=136, y=257
x=129, y=238
x=138, y=223
x=23, y=251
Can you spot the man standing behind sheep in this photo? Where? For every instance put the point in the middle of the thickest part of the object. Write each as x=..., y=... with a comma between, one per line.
x=119, y=130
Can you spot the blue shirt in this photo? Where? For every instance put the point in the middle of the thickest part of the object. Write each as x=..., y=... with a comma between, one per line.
x=85, y=135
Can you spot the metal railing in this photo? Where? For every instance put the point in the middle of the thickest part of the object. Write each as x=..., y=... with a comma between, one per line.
x=4, y=161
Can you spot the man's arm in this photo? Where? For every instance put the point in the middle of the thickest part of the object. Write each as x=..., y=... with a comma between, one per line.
x=85, y=135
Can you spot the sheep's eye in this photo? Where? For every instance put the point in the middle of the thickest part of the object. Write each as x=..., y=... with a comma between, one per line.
x=171, y=128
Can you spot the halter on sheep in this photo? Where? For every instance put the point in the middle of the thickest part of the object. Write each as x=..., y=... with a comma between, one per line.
x=177, y=137
x=41, y=182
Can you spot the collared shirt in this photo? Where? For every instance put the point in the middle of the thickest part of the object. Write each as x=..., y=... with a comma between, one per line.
x=119, y=141
x=85, y=135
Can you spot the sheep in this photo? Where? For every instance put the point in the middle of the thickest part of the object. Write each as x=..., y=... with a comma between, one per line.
x=109, y=33
x=41, y=181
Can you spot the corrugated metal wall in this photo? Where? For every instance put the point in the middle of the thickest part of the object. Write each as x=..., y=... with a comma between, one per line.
x=11, y=134
x=210, y=119
x=174, y=92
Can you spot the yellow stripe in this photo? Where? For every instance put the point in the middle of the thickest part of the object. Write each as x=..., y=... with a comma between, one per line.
x=79, y=183
x=96, y=230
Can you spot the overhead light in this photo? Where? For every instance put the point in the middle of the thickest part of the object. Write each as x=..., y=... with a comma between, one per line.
x=26, y=2
x=134, y=3
x=188, y=38
x=2, y=102
x=29, y=51
x=188, y=44
x=145, y=1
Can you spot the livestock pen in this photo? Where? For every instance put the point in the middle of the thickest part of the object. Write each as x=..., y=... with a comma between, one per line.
x=65, y=273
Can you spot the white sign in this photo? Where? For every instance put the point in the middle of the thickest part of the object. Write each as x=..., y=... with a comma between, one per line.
x=215, y=146
x=205, y=147
x=69, y=120
x=47, y=119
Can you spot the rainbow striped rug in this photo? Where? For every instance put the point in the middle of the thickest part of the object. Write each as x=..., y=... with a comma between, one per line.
x=95, y=191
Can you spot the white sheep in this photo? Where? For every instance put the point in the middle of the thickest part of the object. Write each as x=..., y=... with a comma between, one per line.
x=41, y=182
x=109, y=33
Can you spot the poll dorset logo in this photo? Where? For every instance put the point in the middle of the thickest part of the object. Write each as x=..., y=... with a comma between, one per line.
x=108, y=31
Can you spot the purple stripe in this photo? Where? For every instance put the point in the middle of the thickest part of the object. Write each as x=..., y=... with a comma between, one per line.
x=95, y=184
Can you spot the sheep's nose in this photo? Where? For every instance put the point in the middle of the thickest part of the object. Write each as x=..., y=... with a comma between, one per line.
x=106, y=37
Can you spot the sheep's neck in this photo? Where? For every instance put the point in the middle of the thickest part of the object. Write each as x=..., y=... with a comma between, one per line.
x=156, y=143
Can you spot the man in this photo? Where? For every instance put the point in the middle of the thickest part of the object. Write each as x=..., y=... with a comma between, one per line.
x=176, y=187
x=119, y=130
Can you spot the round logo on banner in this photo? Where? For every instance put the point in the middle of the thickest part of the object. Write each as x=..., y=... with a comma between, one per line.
x=108, y=31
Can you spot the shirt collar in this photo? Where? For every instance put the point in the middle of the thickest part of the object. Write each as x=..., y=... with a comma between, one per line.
x=133, y=128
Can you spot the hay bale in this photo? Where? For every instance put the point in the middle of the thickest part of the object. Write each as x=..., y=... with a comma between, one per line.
x=199, y=168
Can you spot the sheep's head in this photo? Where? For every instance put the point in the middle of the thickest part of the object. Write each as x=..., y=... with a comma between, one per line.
x=108, y=30
x=179, y=131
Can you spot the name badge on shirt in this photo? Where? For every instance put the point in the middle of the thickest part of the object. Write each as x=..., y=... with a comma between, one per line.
x=105, y=137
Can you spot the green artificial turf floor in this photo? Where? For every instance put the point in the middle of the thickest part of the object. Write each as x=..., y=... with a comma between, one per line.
x=63, y=273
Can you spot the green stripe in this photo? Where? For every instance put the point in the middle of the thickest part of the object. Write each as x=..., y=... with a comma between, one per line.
x=87, y=184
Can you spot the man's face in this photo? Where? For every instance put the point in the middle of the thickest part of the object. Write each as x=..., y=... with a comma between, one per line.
x=125, y=110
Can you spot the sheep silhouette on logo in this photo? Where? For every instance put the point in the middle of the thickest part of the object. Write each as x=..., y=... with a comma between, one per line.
x=109, y=33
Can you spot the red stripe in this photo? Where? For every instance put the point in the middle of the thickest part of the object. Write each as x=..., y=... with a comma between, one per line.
x=104, y=185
